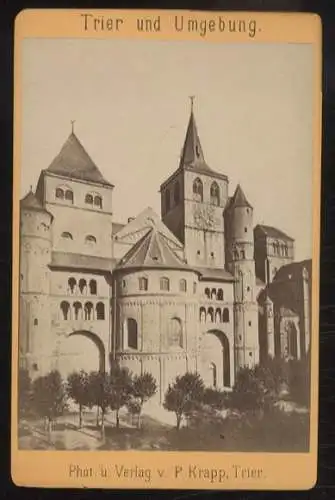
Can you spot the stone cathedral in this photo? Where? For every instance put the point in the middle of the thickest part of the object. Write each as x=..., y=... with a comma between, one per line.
x=199, y=288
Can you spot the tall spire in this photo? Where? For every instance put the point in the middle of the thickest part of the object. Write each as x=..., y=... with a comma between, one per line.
x=192, y=153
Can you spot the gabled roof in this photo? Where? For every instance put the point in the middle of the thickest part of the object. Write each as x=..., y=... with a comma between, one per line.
x=74, y=162
x=238, y=199
x=31, y=202
x=152, y=251
x=272, y=232
x=139, y=226
x=215, y=274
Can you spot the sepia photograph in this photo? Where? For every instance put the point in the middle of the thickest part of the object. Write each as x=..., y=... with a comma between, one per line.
x=165, y=280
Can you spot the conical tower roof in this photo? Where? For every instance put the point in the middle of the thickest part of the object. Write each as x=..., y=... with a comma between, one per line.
x=74, y=162
x=31, y=202
x=152, y=251
x=238, y=199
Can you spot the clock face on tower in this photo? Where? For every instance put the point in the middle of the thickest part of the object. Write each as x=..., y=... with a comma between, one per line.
x=204, y=217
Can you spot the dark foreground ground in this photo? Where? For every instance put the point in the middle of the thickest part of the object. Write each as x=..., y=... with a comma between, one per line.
x=276, y=432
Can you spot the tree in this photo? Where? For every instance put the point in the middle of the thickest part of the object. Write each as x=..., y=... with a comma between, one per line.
x=78, y=390
x=143, y=388
x=99, y=394
x=24, y=392
x=299, y=380
x=184, y=395
x=120, y=390
x=49, y=396
x=214, y=398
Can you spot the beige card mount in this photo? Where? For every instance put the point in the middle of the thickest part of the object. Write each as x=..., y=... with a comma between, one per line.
x=166, y=249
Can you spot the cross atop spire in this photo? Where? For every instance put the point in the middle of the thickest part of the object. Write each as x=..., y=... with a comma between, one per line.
x=192, y=97
x=72, y=126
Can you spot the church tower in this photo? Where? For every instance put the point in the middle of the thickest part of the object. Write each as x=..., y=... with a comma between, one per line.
x=192, y=203
x=240, y=262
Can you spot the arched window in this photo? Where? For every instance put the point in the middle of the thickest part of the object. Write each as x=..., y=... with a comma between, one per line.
x=77, y=310
x=220, y=294
x=167, y=200
x=218, y=315
x=210, y=314
x=69, y=195
x=165, y=284
x=202, y=315
x=208, y=293
x=215, y=194
x=194, y=287
x=213, y=369
x=182, y=285
x=225, y=315
x=213, y=294
x=88, y=310
x=93, y=287
x=242, y=254
x=143, y=283
x=198, y=190
x=90, y=239
x=175, y=333
x=67, y=236
x=98, y=201
x=100, y=310
x=65, y=308
x=132, y=333
x=82, y=286
x=285, y=251
x=89, y=199
x=176, y=193
x=60, y=193
x=72, y=284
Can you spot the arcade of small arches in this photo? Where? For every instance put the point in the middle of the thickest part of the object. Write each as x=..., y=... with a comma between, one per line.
x=78, y=311
x=214, y=294
x=164, y=284
x=212, y=315
x=82, y=286
x=66, y=194
x=280, y=249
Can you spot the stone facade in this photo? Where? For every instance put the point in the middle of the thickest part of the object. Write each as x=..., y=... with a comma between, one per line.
x=199, y=289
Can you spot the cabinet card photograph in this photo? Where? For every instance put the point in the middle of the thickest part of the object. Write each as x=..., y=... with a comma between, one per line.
x=166, y=249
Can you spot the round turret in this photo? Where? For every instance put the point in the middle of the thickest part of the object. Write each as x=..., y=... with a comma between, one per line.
x=35, y=256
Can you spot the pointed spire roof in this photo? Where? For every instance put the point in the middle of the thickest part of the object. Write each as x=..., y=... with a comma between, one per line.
x=152, y=251
x=192, y=156
x=238, y=199
x=74, y=162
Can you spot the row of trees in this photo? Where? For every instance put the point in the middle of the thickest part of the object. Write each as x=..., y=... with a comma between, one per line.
x=48, y=396
x=256, y=390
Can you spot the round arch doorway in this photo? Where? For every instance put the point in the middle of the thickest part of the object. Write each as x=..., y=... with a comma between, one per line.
x=81, y=350
x=215, y=360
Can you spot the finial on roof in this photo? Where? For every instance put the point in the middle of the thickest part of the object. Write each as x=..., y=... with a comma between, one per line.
x=192, y=97
x=72, y=126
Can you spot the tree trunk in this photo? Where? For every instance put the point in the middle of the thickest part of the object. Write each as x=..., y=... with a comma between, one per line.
x=80, y=416
x=178, y=421
x=49, y=427
x=98, y=408
x=102, y=424
x=117, y=419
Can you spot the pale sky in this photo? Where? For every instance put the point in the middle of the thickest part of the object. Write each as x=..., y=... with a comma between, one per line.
x=253, y=110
